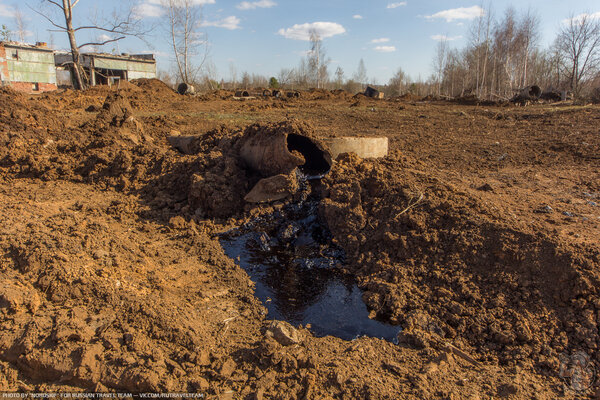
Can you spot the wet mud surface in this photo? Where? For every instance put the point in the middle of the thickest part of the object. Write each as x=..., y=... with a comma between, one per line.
x=297, y=271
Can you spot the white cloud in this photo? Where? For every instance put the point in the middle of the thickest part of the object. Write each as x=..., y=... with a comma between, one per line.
x=232, y=22
x=357, y=16
x=302, y=31
x=104, y=37
x=445, y=38
x=148, y=10
x=458, y=13
x=247, y=5
x=579, y=18
x=396, y=5
x=385, y=49
x=7, y=11
x=380, y=40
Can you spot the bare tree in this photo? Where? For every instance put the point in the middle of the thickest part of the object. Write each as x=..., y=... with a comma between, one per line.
x=399, y=83
x=578, y=44
x=361, y=73
x=189, y=44
x=317, y=62
x=210, y=75
x=529, y=32
x=285, y=77
x=439, y=62
x=120, y=25
x=245, y=80
x=232, y=75
x=339, y=77
x=20, y=24
x=480, y=45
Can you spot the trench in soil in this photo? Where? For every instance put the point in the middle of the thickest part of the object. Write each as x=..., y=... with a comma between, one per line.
x=295, y=266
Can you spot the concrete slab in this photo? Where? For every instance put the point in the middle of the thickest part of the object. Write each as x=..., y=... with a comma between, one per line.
x=371, y=147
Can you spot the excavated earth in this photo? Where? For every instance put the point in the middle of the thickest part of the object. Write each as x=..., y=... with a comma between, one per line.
x=478, y=236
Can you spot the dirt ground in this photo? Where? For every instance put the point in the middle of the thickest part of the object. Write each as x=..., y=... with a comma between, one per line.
x=478, y=235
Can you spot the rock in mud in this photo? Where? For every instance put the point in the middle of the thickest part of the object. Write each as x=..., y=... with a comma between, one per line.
x=283, y=332
x=275, y=188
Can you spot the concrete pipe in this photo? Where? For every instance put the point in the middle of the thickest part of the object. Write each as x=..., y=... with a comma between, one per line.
x=531, y=92
x=242, y=93
x=185, y=88
x=363, y=147
x=280, y=153
x=293, y=94
x=276, y=93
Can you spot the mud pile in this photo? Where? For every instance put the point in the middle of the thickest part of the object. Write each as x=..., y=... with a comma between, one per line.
x=448, y=268
x=112, y=147
x=155, y=87
x=112, y=278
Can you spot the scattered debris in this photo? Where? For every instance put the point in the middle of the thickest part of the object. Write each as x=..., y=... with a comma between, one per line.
x=373, y=93
x=544, y=210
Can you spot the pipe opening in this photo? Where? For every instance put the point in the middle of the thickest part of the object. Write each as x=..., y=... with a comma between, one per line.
x=535, y=91
x=317, y=162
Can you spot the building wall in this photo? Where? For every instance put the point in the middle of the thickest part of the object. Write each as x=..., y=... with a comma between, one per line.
x=135, y=69
x=33, y=87
x=3, y=67
x=30, y=65
x=27, y=70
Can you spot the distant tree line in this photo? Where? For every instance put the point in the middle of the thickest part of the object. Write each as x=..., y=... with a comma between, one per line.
x=502, y=56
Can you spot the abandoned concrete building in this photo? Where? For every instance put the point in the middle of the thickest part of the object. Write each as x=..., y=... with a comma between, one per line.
x=108, y=69
x=36, y=68
x=28, y=68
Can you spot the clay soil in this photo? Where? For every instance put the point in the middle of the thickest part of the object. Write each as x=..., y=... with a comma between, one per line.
x=477, y=235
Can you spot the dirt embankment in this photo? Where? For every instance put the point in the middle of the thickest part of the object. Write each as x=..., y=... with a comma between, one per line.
x=447, y=266
x=112, y=279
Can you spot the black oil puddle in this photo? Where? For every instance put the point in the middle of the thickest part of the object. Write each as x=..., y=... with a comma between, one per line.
x=290, y=257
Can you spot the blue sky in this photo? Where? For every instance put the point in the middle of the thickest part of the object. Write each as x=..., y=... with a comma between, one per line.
x=263, y=36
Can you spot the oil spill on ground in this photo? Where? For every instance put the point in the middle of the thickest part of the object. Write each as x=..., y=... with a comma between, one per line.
x=290, y=257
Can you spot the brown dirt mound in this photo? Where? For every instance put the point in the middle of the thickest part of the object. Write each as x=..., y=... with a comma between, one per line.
x=116, y=108
x=409, y=97
x=127, y=86
x=156, y=87
x=446, y=267
x=219, y=94
x=110, y=280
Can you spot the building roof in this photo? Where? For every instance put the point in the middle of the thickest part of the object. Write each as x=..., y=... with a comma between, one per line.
x=145, y=58
x=19, y=45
